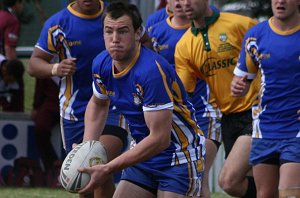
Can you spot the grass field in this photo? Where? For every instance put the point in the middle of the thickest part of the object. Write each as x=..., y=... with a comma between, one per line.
x=52, y=193
x=29, y=88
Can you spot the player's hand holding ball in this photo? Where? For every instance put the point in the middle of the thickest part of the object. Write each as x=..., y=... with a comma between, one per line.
x=86, y=154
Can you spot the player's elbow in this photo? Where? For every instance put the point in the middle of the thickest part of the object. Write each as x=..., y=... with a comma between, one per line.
x=164, y=143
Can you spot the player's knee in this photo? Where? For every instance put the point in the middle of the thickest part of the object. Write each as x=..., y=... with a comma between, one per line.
x=229, y=184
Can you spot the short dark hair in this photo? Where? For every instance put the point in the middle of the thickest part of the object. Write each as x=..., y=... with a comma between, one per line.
x=10, y=3
x=118, y=9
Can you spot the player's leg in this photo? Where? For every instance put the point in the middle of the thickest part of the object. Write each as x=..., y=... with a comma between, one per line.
x=289, y=183
x=128, y=189
x=235, y=177
x=167, y=194
x=212, y=131
x=211, y=152
x=264, y=156
x=266, y=180
x=232, y=178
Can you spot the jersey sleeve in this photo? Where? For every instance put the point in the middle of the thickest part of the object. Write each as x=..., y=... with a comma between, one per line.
x=157, y=88
x=52, y=38
x=99, y=88
x=248, y=61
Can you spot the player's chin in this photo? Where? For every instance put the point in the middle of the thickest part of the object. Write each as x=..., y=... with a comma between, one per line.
x=117, y=55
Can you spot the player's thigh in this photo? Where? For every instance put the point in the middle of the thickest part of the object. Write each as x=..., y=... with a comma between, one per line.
x=167, y=194
x=289, y=175
x=290, y=163
x=211, y=152
x=266, y=177
x=127, y=189
x=236, y=166
x=113, y=145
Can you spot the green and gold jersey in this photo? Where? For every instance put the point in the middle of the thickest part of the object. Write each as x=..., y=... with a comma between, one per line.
x=211, y=54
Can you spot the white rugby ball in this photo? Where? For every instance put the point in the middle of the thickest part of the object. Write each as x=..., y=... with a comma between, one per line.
x=86, y=154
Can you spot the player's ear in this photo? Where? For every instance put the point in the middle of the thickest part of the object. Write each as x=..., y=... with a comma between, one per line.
x=139, y=33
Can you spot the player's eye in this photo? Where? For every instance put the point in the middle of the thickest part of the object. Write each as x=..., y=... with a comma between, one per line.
x=108, y=31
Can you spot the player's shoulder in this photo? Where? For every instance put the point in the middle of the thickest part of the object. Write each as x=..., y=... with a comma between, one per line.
x=236, y=18
x=59, y=16
x=152, y=58
x=259, y=29
x=103, y=55
x=158, y=27
x=186, y=38
x=156, y=17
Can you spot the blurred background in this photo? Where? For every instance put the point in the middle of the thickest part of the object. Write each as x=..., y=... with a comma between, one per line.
x=37, y=11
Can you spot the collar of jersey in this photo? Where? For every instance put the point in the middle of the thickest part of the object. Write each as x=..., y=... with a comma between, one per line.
x=208, y=21
x=85, y=15
x=131, y=64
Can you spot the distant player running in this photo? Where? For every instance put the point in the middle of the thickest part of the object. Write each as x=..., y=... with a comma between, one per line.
x=270, y=48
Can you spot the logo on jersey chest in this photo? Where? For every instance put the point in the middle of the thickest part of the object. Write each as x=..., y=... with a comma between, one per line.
x=74, y=43
x=211, y=65
x=225, y=45
x=223, y=37
x=138, y=95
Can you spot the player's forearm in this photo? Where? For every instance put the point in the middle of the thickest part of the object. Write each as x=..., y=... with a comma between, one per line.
x=39, y=66
x=95, y=119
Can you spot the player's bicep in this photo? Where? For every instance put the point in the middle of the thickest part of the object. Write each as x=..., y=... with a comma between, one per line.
x=159, y=123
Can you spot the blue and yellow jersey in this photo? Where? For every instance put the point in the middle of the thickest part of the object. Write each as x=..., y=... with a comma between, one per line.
x=150, y=83
x=211, y=54
x=156, y=17
x=164, y=36
x=276, y=55
x=67, y=34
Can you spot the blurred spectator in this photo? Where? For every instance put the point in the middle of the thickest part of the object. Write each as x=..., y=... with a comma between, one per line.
x=11, y=85
x=45, y=115
x=10, y=27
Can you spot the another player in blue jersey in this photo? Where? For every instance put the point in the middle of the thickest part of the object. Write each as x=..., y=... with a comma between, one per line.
x=158, y=16
x=72, y=38
x=168, y=159
x=165, y=35
x=270, y=48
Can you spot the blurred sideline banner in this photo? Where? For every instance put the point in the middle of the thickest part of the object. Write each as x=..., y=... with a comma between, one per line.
x=17, y=139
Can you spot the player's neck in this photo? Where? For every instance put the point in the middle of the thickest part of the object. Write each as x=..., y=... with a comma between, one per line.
x=179, y=21
x=287, y=23
x=199, y=22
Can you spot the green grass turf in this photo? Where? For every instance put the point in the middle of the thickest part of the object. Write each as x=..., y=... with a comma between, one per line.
x=29, y=83
x=53, y=193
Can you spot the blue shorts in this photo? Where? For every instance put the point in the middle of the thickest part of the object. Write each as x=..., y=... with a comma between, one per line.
x=72, y=131
x=184, y=179
x=274, y=151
